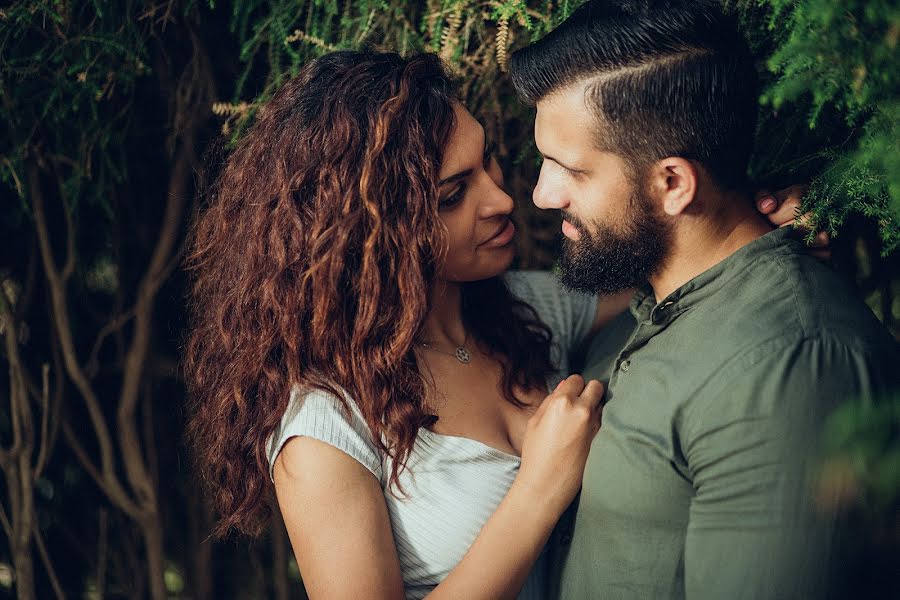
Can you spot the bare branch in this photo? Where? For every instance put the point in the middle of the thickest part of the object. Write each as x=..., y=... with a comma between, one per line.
x=60, y=314
x=117, y=322
x=4, y=521
x=19, y=409
x=103, y=536
x=115, y=493
x=45, y=423
x=48, y=566
x=193, y=108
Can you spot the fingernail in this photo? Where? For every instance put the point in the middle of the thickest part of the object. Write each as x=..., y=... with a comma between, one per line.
x=767, y=203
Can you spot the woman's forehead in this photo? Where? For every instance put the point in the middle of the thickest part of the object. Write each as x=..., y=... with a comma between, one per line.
x=466, y=145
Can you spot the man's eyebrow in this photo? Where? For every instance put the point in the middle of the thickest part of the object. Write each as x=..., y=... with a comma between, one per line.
x=562, y=164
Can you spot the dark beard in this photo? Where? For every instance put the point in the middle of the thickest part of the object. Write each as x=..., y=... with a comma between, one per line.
x=615, y=258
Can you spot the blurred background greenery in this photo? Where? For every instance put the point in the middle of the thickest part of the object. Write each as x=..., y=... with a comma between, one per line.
x=115, y=114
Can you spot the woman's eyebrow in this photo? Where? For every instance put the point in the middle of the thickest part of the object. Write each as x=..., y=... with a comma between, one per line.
x=467, y=172
x=456, y=177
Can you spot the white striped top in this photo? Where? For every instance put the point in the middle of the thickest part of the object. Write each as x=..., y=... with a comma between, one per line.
x=452, y=484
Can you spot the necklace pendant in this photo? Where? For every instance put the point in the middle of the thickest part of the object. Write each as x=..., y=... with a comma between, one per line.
x=462, y=355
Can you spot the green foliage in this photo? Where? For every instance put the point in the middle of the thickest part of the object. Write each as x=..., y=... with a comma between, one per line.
x=66, y=74
x=836, y=63
x=862, y=467
x=89, y=95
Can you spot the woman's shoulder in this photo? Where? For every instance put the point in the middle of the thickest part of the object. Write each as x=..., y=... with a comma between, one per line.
x=330, y=417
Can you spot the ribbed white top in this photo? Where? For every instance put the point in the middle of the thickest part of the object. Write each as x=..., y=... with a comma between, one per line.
x=452, y=484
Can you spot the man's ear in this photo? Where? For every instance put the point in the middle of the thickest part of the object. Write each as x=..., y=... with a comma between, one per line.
x=673, y=183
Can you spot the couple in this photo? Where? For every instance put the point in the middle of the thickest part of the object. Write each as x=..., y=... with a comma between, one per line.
x=358, y=339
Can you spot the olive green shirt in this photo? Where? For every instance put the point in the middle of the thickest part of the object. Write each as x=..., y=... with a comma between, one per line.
x=699, y=483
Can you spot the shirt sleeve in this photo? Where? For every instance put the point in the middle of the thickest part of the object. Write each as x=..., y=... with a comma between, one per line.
x=569, y=315
x=753, y=450
x=321, y=416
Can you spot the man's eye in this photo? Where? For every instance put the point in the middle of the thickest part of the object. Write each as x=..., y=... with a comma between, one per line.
x=453, y=199
x=570, y=172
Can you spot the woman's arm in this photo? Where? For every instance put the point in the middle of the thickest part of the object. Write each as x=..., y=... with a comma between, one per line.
x=608, y=308
x=337, y=521
x=340, y=530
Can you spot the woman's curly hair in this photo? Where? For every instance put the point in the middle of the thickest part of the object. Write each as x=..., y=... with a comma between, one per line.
x=312, y=266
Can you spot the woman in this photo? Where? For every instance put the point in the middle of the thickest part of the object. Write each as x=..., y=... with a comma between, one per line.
x=358, y=341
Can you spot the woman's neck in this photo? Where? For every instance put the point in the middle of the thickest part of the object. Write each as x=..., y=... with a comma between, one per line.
x=444, y=325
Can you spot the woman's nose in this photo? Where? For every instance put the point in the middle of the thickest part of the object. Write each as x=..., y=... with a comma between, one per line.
x=495, y=201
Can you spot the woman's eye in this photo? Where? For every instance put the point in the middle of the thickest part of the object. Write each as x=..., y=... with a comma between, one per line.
x=489, y=153
x=453, y=199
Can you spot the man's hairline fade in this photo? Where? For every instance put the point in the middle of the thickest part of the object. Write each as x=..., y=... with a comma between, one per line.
x=591, y=85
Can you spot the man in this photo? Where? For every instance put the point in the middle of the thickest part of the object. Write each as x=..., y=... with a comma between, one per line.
x=699, y=482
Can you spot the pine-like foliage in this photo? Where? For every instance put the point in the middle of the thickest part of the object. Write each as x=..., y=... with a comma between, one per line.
x=835, y=65
x=106, y=111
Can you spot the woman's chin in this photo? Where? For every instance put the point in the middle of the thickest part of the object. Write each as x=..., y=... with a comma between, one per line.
x=497, y=263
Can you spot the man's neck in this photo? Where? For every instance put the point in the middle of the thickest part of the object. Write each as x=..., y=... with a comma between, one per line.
x=704, y=238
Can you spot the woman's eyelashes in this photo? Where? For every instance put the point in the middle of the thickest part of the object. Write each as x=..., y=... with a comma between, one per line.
x=454, y=198
x=489, y=153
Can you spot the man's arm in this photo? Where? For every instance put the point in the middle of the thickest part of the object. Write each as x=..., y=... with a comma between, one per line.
x=753, y=449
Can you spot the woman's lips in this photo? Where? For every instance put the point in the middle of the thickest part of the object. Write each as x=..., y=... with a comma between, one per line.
x=502, y=237
x=570, y=231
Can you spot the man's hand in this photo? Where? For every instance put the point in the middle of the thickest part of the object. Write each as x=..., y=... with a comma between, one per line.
x=781, y=209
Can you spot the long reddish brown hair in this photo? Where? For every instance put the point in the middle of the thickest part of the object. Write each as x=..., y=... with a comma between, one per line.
x=312, y=265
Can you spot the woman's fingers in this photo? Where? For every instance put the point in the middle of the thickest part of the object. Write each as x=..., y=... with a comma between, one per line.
x=592, y=395
x=781, y=207
x=765, y=202
x=571, y=386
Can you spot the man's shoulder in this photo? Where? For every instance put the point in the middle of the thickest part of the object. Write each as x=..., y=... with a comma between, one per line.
x=788, y=315
x=789, y=296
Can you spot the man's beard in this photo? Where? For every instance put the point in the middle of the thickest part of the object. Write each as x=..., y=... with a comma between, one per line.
x=617, y=257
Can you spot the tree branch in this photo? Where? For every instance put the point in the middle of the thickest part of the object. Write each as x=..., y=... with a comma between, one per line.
x=115, y=493
x=4, y=521
x=44, y=450
x=114, y=325
x=45, y=556
x=193, y=108
x=57, y=283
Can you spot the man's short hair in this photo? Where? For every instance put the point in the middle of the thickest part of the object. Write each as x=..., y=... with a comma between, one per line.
x=664, y=78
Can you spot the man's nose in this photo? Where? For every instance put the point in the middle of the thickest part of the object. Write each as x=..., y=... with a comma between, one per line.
x=548, y=194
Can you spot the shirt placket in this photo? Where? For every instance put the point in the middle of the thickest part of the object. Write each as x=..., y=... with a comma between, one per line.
x=658, y=319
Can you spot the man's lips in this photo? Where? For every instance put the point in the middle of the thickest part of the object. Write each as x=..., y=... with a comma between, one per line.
x=502, y=236
x=570, y=231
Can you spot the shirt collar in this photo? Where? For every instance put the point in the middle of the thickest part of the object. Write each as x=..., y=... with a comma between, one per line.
x=645, y=308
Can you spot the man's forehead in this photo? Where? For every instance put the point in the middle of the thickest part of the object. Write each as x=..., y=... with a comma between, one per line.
x=563, y=118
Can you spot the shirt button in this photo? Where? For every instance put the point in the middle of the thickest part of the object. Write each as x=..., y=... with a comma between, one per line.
x=625, y=366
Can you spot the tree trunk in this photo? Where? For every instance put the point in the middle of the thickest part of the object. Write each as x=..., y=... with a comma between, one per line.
x=151, y=528
x=21, y=538
x=200, y=545
x=24, y=572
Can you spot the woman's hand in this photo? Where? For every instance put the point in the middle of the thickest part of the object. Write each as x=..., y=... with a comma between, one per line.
x=557, y=441
x=781, y=209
